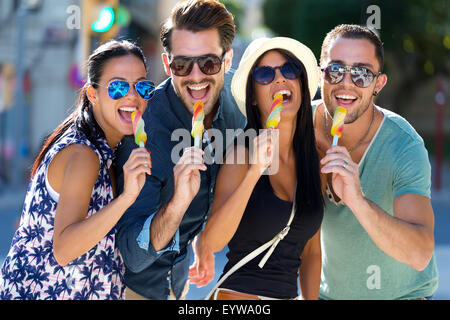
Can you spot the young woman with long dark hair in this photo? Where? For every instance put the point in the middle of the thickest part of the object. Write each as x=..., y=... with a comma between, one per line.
x=65, y=246
x=251, y=207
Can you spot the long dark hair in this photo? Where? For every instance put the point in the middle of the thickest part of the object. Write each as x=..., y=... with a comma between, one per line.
x=309, y=192
x=82, y=118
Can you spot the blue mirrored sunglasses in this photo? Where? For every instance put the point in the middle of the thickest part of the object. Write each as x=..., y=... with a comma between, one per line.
x=118, y=89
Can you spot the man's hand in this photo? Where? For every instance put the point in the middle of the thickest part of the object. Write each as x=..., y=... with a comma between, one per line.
x=201, y=272
x=345, y=175
x=187, y=176
x=186, y=185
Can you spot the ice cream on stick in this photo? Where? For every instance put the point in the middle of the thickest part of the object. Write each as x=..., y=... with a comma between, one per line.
x=140, y=137
x=275, y=112
x=197, y=123
x=338, y=124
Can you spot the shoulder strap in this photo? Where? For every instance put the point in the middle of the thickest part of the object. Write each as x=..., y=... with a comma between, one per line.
x=271, y=244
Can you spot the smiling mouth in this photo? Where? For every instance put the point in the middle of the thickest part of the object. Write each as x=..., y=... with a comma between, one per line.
x=199, y=91
x=345, y=99
x=125, y=113
x=286, y=95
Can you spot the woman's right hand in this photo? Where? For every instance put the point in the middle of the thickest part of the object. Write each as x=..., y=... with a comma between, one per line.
x=138, y=164
x=263, y=151
x=201, y=272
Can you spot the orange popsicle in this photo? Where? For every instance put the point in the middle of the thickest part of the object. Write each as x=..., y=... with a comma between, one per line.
x=275, y=112
x=197, y=123
x=338, y=124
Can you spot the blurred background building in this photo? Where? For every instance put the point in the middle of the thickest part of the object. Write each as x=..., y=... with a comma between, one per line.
x=44, y=43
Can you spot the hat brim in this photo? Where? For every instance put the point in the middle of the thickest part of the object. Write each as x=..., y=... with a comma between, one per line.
x=256, y=49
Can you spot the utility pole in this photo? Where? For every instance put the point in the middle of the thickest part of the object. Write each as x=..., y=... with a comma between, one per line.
x=439, y=135
x=18, y=110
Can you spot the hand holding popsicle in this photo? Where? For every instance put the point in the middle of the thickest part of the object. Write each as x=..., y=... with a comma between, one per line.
x=338, y=162
x=197, y=123
x=264, y=143
x=140, y=136
x=338, y=124
x=134, y=171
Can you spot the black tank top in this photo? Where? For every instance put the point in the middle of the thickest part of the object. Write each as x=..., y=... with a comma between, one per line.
x=265, y=216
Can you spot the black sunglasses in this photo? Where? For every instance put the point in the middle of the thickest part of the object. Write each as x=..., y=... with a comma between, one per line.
x=265, y=74
x=361, y=77
x=209, y=64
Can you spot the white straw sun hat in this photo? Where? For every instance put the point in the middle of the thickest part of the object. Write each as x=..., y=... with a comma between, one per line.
x=256, y=49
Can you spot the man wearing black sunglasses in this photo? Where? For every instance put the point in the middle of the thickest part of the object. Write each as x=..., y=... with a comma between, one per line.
x=377, y=231
x=155, y=233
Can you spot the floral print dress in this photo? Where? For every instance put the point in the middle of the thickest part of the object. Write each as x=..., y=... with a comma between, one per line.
x=30, y=271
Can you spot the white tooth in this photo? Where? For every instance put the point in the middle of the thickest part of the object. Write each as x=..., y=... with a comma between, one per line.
x=198, y=88
x=345, y=97
x=127, y=109
x=286, y=92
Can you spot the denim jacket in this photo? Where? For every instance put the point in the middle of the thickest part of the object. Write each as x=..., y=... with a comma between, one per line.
x=148, y=272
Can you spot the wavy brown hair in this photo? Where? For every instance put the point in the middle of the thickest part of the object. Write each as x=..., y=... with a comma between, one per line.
x=199, y=15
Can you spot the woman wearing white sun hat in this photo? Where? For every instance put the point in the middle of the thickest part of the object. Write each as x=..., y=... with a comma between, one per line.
x=250, y=208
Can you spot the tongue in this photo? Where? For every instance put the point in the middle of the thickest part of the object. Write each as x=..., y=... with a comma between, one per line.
x=345, y=101
x=125, y=115
x=198, y=94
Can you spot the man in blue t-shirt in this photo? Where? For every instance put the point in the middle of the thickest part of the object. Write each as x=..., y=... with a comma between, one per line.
x=377, y=232
x=155, y=233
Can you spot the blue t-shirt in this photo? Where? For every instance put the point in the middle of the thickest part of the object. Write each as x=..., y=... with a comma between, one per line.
x=353, y=267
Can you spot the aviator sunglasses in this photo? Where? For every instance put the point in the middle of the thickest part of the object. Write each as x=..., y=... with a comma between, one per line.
x=361, y=77
x=265, y=74
x=209, y=64
x=118, y=89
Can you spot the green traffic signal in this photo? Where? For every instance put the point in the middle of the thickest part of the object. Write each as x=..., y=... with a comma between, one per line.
x=105, y=20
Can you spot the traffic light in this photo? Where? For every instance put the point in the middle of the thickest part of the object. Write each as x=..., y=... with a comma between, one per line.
x=105, y=20
x=101, y=21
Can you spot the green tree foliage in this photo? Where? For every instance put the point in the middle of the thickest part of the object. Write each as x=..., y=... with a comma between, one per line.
x=309, y=20
x=416, y=33
x=237, y=10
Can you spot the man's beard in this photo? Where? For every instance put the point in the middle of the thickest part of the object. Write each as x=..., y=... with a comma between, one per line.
x=213, y=95
x=352, y=117
x=358, y=111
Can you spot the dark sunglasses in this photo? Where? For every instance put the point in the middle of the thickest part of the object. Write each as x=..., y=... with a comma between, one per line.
x=361, y=77
x=118, y=89
x=209, y=64
x=265, y=74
